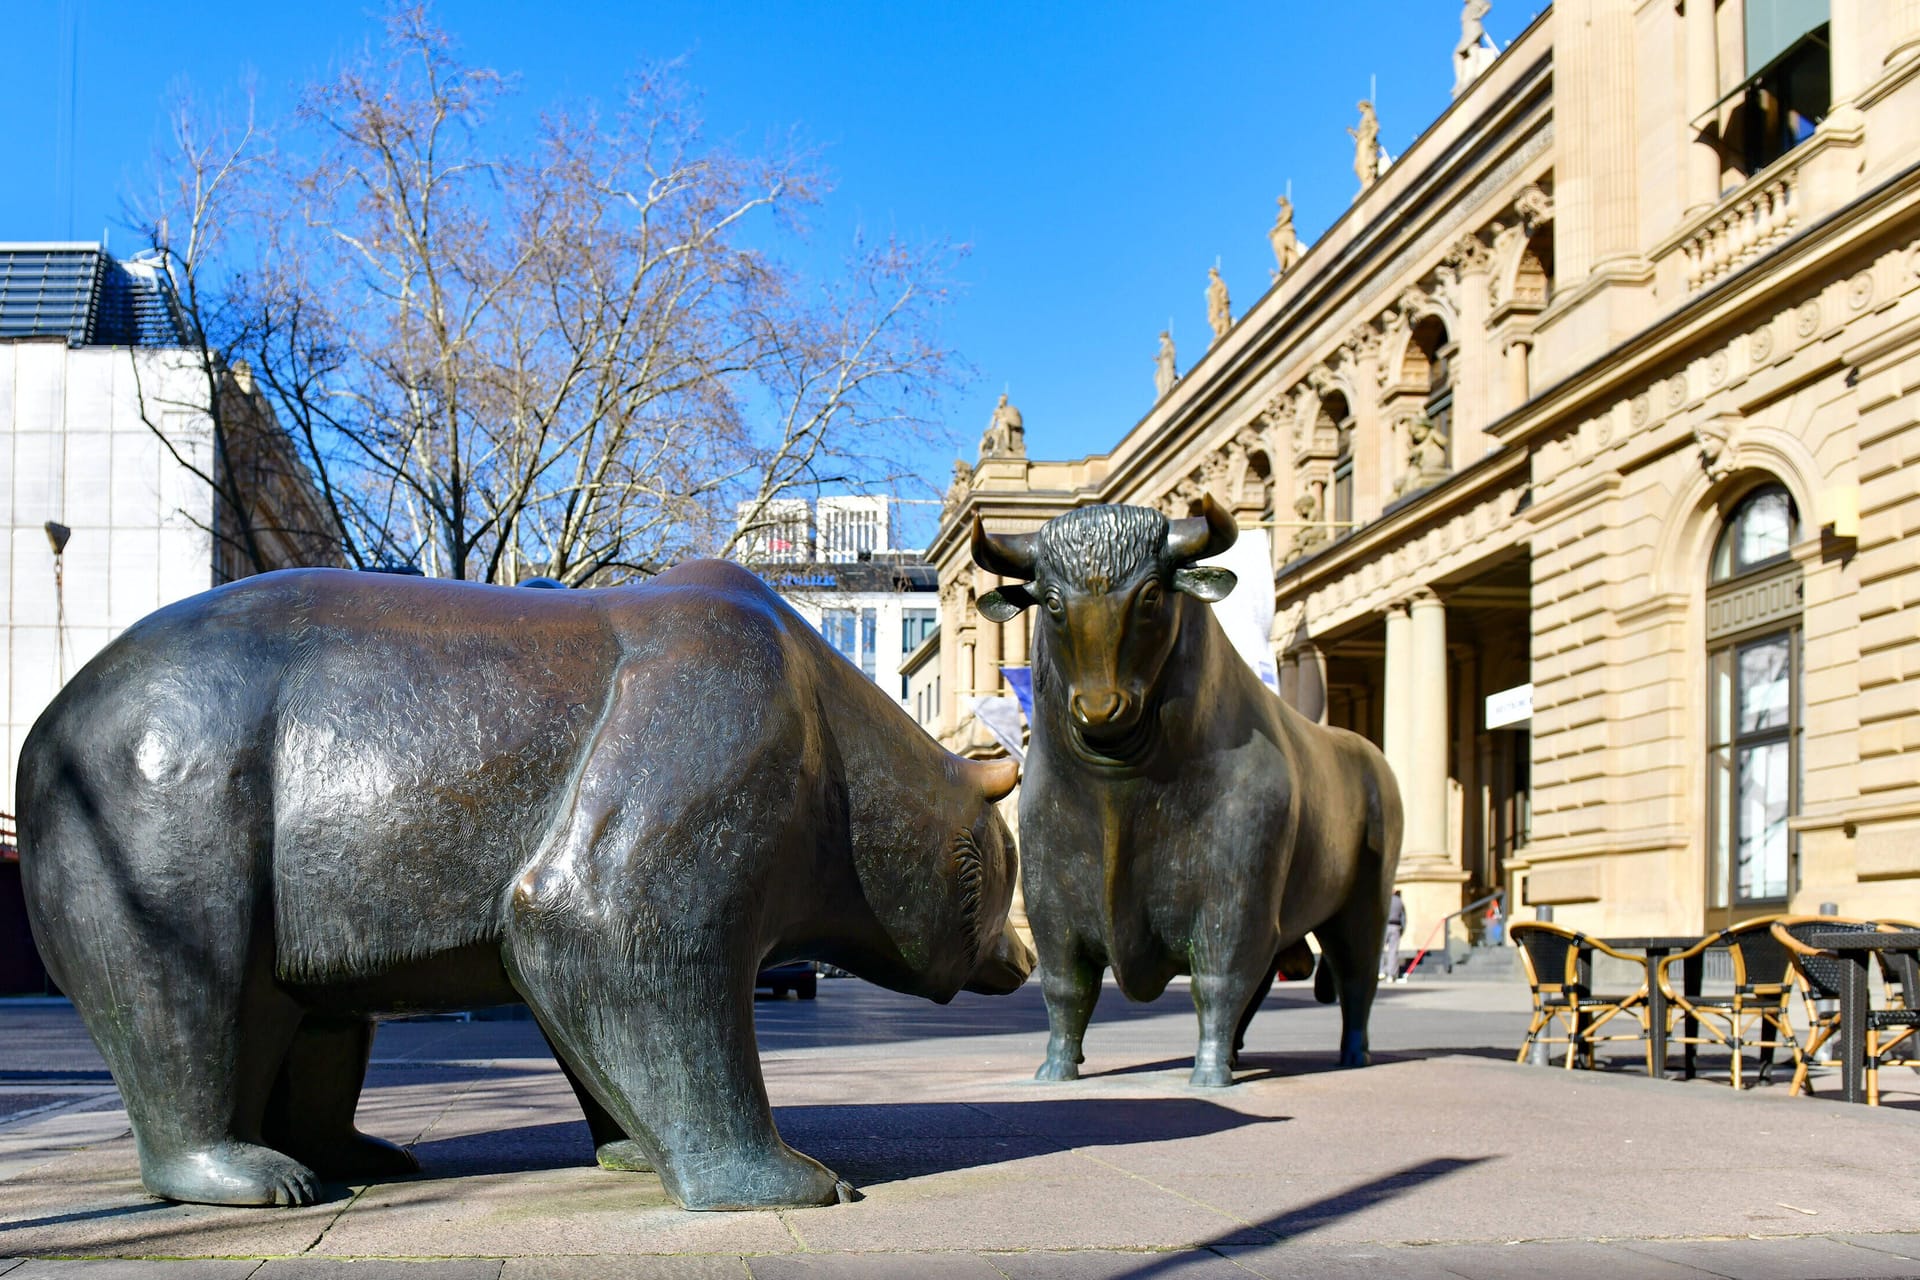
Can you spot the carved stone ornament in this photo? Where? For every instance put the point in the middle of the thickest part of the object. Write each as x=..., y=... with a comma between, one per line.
x=957, y=491
x=1468, y=253
x=1535, y=208
x=1717, y=449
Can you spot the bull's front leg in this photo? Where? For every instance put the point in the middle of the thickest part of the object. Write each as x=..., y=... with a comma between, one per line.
x=1070, y=982
x=1220, y=996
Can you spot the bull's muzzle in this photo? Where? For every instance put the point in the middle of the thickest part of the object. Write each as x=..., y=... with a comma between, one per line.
x=1002, y=970
x=1101, y=710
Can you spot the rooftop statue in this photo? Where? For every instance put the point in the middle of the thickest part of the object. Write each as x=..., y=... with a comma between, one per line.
x=1219, y=311
x=1286, y=245
x=1475, y=51
x=1176, y=816
x=1366, y=146
x=1164, y=374
x=1006, y=434
x=270, y=813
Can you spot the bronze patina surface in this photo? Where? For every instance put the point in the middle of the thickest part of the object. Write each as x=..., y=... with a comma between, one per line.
x=269, y=813
x=1176, y=816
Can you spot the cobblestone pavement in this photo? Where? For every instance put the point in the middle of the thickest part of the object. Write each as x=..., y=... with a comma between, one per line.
x=1444, y=1160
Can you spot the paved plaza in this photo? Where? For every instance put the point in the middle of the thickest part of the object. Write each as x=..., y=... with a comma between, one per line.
x=1446, y=1159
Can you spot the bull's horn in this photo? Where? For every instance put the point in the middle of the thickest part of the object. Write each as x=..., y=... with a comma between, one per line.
x=1200, y=537
x=1009, y=554
x=996, y=778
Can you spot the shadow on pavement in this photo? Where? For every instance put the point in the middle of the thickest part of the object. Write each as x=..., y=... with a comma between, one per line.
x=882, y=1142
x=1332, y=1208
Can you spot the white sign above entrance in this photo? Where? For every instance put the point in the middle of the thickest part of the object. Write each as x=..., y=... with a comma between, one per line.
x=1510, y=708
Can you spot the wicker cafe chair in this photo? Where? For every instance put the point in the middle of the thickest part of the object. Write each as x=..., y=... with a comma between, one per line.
x=1551, y=956
x=1756, y=1015
x=1899, y=970
x=1821, y=976
x=1828, y=971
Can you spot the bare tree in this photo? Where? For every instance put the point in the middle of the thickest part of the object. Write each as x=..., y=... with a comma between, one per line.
x=573, y=357
x=266, y=512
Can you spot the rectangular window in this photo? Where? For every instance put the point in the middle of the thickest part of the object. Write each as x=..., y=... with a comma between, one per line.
x=869, y=642
x=1750, y=782
x=838, y=626
x=915, y=626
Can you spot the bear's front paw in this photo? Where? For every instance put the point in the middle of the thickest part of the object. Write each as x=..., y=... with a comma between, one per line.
x=230, y=1173
x=782, y=1179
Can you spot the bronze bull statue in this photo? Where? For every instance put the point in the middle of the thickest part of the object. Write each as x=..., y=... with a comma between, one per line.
x=1176, y=816
x=269, y=813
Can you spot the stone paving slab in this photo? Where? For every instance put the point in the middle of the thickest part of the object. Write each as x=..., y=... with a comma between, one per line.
x=1444, y=1160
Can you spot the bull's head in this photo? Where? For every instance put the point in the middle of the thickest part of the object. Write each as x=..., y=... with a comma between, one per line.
x=1112, y=583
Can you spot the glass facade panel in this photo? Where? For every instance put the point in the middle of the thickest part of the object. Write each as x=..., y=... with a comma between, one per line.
x=916, y=626
x=1764, y=683
x=869, y=641
x=1760, y=859
x=837, y=625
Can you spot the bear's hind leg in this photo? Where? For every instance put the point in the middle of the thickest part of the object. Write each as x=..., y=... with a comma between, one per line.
x=310, y=1114
x=177, y=991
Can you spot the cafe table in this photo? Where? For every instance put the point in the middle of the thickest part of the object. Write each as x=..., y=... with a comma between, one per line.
x=1693, y=971
x=1858, y=949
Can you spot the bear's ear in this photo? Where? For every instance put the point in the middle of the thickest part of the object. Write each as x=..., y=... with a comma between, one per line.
x=1204, y=581
x=1005, y=604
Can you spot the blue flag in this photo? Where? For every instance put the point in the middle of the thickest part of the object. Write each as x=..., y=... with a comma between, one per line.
x=1021, y=678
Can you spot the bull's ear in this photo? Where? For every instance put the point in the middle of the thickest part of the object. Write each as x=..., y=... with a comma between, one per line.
x=1205, y=581
x=1005, y=604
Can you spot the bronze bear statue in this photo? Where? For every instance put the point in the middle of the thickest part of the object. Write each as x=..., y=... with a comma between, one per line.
x=265, y=815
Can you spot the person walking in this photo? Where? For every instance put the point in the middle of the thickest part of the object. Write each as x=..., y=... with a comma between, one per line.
x=1390, y=952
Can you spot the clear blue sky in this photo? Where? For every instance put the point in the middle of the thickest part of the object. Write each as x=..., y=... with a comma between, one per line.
x=1096, y=157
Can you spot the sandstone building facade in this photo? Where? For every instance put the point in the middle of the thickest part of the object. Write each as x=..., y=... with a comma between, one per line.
x=1609, y=386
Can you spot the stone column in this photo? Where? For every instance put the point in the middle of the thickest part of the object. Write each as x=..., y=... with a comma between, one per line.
x=1703, y=88
x=1474, y=360
x=1397, y=731
x=1426, y=787
x=1903, y=28
x=1015, y=634
x=1518, y=387
x=987, y=676
x=1595, y=135
x=1429, y=877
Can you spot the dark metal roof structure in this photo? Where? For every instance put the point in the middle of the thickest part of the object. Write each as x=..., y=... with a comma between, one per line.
x=84, y=294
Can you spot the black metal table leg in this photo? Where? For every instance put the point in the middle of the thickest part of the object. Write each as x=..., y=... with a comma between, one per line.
x=1694, y=971
x=1656, y=1013
x=1853, y=1028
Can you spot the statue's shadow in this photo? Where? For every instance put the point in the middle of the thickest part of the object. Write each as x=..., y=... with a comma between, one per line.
x=883, y=1142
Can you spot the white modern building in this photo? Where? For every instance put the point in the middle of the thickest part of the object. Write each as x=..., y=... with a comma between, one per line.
x=94, y=371
x=834, y=561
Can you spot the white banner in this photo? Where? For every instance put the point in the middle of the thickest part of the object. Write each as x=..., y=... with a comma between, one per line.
x=1247, y=612
x=1001, y=714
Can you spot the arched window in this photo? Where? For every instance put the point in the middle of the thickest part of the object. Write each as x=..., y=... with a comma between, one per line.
x=1334, y=413
x=1754, y=695
x=1430, y=341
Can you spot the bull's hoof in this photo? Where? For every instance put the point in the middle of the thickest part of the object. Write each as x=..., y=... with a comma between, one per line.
x=361, y=1157
x=783, y=1180
x=623, y=1156
x=1353, y=1049
x=1058, y=1069
x=237, y=1173
x=1210, y=1075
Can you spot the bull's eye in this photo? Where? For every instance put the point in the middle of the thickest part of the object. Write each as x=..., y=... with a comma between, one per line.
x=1149, y=597
x=1055, y=605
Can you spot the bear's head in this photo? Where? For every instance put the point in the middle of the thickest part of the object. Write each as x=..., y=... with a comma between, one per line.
x=937, y=872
